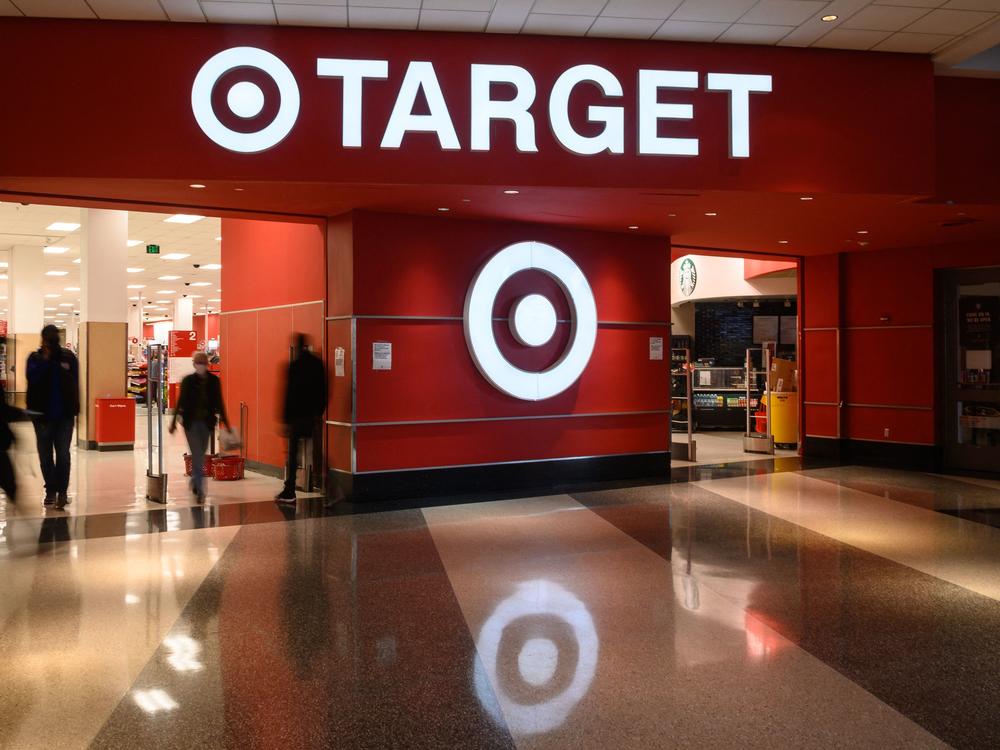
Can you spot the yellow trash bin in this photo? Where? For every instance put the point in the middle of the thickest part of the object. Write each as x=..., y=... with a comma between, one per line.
x=783, y=410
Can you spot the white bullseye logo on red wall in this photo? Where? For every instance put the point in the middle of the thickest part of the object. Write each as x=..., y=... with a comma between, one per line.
x=533, y=321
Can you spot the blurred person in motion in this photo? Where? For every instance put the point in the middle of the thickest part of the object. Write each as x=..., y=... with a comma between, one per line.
x=54, y=401
x=8, y=414
x=199, y=407
x=304, y=404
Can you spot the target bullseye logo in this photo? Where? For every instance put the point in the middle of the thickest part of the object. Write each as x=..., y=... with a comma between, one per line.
x=245, y=99
x=532, y=321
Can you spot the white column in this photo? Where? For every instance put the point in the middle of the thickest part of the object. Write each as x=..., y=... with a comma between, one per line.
x=183, y=314
x=27, y=290
x=103, y=258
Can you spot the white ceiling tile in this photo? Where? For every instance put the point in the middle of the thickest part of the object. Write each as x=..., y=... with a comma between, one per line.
x=690, y=31
x=884, y=18
x=55, y=8
x=453, y=20
x=748, y=33
x=783, y=12
x=851, y=39
x=183, y=10
x=657, y=9
x=916, y=43
x=992, y=5
x=382, y=18
x=508, y=16
x=813, y=28
x=480, y=5
x=628, y=28
x=712, y=10
x=7, y=9
x=336, y=3
x=913, y=3
x=228, y=12
x=128, y=10
x=311, y=15
x=388, y=4
x=950, y=21
x=561, y=25
x=569, y=7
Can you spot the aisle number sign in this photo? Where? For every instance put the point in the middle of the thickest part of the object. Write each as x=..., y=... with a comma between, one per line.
x=182, y=343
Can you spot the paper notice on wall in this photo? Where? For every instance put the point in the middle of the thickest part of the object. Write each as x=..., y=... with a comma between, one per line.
x=381, y=355
x=338, y=362
x=656, y=347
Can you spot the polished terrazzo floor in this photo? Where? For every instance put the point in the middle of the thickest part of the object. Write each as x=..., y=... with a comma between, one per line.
x=773, y=603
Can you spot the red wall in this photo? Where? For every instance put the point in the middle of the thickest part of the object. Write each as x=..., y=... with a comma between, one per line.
x=406, y=268
x=206, y=326
x=273, y=281
x=881, y=307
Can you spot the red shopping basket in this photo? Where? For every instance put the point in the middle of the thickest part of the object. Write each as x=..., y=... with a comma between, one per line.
x=228, y=468
x=206, y=470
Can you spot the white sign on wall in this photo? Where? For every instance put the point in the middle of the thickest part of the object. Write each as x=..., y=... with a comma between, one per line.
x=338, y=362
x=381, y=355
x=655, y=347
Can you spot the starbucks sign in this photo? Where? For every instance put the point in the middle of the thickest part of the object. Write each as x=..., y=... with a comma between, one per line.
x=688, y=277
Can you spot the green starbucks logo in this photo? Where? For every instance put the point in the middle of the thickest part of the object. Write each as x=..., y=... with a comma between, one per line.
x=688, y=277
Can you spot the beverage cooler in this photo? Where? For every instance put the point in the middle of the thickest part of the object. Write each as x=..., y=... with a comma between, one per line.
x=720, y=397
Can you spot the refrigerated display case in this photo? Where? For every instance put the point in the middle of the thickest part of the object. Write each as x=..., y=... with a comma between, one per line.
x=720, y=397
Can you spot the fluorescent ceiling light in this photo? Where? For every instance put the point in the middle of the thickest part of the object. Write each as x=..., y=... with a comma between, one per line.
x=162, y=302
x=136, y=286
x=50, y=309
x=181, y=219
x=55, y=249
x=197, y=186
x=176, y=256
x=62, y=315
x=134, y=299
x=133, y=270
x=54, y=273
x=215, y=300
x=210, y=267
x=52, y=296
x=219, y=238
x=72, y=289
x=167, y=278
x=65, y=304
x=166, y=291
x=77, y=261
x=3, y=277
x=201, y=283
x=62, y=226
x=194, y=296
x=4, y=264
x=133, y=243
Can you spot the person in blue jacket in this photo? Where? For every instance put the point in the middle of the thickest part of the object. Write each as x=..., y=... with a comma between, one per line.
x=54, y=398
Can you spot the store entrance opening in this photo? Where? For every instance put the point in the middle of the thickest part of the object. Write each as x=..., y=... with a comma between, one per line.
x=971, y=313
x=734, y=359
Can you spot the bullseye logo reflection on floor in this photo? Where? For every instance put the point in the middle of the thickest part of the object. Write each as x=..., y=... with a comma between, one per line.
x=538, y=651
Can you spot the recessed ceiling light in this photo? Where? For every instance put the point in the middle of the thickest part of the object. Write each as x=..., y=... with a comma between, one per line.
x=4, y=264
x=183, y=218
x=215, y=300
x=52, y=296
x=134, y=299
x=210, y=267
x=201, y=283
x=133, y=243
x=62, y=226
x=671, y=215
x=77, y=261
x=163, y=302
x=862, y=231
x=239, y=190
x=511, y=192
x=130, y=269
x=194, y=296
x=782, y=242
x=50, y=309
x=805, y=197
x=51, y=273
x=167, y=278
x=65, y=304
x=3, y=277
x=136, y=286
x=55, y=249
x=633, y=227
x=72, y=289
x=166, y=291
x=218, y=239
x=711, y=213
x=176, y=256
x=829, y=18
x=196, y=185
x=62, y=315
x=444, y=209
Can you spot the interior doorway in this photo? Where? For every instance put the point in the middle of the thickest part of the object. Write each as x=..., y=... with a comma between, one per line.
x=971, y=388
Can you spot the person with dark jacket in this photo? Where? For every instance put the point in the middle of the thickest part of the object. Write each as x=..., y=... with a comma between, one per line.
x=54, y=395
x=199, y=406
x=305, y=402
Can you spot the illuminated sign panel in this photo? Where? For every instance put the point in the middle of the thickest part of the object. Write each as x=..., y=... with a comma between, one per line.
x=245, y=100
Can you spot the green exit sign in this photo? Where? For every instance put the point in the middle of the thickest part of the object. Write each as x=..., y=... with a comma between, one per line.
x=153, y=249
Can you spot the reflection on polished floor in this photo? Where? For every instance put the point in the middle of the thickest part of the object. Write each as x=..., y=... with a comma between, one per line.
x=760, y=604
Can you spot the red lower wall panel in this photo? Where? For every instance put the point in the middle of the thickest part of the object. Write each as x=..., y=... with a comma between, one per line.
x=388, y=448
x=821, y=421
x=889, y=366
x=433, y=375
x=904, y=425
x=338, y=442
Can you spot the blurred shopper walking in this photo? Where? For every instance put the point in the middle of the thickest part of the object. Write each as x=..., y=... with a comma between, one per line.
x=8, y=414
x=54, y=396
x=305, y=402
x=199, y=407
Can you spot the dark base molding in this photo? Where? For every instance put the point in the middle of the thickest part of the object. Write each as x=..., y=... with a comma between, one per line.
x=541, y=476
x=266, y=469
x=874, y=453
